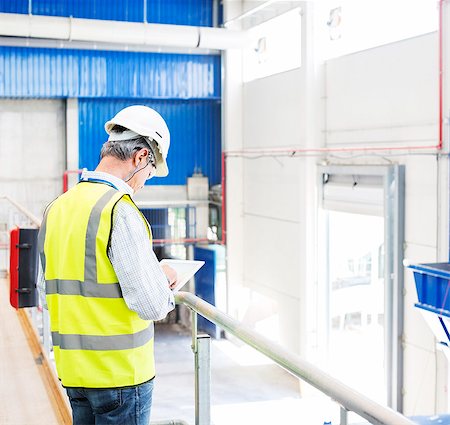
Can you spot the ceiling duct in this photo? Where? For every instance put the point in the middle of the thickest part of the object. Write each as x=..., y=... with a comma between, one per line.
x=121, y=33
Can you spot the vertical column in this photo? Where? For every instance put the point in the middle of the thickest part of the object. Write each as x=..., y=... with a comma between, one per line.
x=72, y=148
x=232, y=140
x=313, y=107
x=343, y=416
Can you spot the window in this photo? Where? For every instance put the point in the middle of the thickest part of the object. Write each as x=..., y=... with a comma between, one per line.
x=278, y=46
x=354, y=25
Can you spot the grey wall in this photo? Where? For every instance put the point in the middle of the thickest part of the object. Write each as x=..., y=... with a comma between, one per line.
x=32, y=151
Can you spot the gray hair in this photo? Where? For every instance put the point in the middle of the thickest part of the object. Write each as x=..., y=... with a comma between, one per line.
x=124, y=149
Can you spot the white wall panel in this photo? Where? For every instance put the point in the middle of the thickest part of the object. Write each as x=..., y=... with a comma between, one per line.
x=273, y=314
x=273, y=114
x=384, y=95
x=271, y=188
x=273, y=202
x=419, y=385
x=421, y=201
x=416, y=331
x=32, y=151
x=273, y=254
x=419, y=343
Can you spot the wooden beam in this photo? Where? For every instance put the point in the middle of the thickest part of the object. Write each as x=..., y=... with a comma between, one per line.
x=54, y=389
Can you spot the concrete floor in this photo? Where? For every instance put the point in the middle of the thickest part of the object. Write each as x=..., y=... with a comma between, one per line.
x=246, y=388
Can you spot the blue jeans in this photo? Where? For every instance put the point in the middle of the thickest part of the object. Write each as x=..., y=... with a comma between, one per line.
x=111, y=406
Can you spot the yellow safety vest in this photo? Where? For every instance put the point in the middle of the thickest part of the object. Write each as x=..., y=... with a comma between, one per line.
x=98, y=341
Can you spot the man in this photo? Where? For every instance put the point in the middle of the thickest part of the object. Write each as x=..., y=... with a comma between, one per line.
x=103, y=283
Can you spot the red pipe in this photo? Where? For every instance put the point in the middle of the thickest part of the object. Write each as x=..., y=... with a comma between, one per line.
x=441, y=73
x=319, y=150
x=66, y=178
x=224, y=210
x=182, y=241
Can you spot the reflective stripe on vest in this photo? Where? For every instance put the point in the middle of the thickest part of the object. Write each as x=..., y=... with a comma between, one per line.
x=85, y=289
x=111, y=342
x=98, y=342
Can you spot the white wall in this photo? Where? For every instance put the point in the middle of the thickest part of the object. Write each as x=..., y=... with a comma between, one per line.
x=386, y=96
x=32, y=151
x=273, y=204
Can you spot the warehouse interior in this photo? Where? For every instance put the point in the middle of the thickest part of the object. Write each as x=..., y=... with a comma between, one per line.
x=308, y=168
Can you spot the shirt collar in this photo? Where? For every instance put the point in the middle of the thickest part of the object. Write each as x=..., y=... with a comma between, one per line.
x=119, y=184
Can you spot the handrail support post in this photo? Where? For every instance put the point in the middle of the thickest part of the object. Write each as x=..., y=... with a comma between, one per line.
x=194, y=331
x=203, y=380
x=344, y=416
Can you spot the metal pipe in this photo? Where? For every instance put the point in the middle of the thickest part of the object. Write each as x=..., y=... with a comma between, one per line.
x=249, y=12
x=224, y=210
x=293, y=151
x=121, y=32
x=203, y=380
x=182, y=241
x=194, y=331
x=346, y=396
x=343, y=416
x=441, y=73
x=66, y=178
x=36, y=221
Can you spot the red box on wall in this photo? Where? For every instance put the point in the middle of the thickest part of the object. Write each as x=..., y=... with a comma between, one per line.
x=23, y=266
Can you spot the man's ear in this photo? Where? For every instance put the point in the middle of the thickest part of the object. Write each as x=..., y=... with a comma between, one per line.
x=140, y=156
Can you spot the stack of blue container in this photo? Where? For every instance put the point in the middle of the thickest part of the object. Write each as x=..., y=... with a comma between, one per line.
x=433, y=292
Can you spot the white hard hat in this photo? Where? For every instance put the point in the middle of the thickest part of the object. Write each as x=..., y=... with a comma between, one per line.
x=146, y=122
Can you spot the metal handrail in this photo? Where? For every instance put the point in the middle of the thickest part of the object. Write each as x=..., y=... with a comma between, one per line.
x=36, y=221
x=346, y=396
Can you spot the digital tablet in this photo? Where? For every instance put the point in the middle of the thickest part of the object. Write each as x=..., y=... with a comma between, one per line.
x=185, y=270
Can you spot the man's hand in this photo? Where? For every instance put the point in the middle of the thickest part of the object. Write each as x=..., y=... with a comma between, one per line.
x=171, y=274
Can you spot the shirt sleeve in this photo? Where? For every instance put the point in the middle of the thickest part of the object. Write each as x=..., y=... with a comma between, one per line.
x=144, y=285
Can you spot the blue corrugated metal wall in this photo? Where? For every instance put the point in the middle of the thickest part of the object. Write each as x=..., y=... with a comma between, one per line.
x=185, y=89
x=194, y=128
x=181, y=12
x=38, y=72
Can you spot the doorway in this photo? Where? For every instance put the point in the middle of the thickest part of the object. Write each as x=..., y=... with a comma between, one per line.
x=361, y=218
x=356, y=334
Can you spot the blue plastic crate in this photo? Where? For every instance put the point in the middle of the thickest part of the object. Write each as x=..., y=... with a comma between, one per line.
x=433, y=286
x=431, y=420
